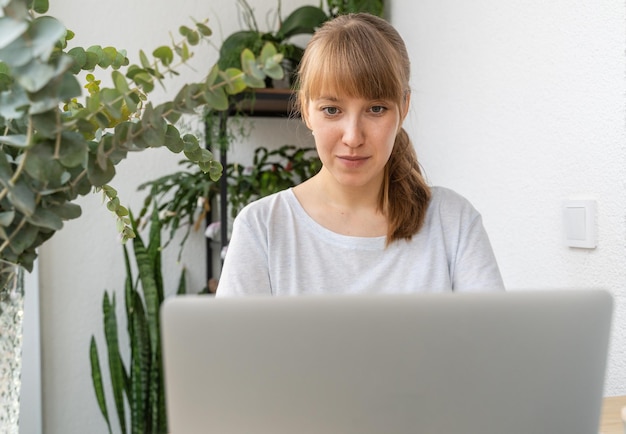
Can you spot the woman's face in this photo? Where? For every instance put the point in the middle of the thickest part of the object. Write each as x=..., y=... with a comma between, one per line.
x=354, y=136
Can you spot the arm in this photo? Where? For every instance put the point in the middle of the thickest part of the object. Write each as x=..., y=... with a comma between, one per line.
x=245, y=270
x=475, y=268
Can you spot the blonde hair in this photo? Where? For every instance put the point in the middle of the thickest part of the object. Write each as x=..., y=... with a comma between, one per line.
x=361, y=55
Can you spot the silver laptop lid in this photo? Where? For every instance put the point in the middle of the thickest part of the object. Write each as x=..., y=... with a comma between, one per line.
x=489, y=363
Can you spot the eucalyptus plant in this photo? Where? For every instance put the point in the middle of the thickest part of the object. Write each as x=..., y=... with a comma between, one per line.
x=56, y=144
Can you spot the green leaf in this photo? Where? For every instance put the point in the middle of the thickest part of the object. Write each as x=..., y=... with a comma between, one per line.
x=73, y=151
x=40, y=6
x=80, y=58
x=233, y=46
x=23, y=238
x=46, y=218
x=99, y=176
x=13, y=103
x=17, y=53
x=216, y=99
x=173, y=140
x=234, y=80
x=22, y=198
x=91, y=61
x=144, y=81
x=45, y=31
x=305, y=19
x=145, y=63
x=113, y=101
x=6, y=218
x=120, y=82
x=249, y=65
x=116, y=368
x=17, y=140
x=96, y=377
x=11, y=29
x=203, y=29
x=41, y=164
x=67, y=211
x=164, y=54
x=98, y=52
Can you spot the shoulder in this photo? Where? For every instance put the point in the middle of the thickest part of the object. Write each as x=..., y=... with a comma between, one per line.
x=448, y=205
x=447, y=198
x=262, y=209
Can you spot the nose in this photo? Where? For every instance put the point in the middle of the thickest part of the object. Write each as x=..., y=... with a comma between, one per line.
x=353, y=132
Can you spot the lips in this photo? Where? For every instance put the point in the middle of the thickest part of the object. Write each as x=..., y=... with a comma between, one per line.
x=352, y=161
x=352, y=158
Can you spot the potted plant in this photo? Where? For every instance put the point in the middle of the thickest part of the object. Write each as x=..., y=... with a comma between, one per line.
x=303, y=20
x=137, y=387
x=56, y=145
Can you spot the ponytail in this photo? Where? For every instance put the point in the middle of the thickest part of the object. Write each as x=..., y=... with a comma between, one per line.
x=404, y=195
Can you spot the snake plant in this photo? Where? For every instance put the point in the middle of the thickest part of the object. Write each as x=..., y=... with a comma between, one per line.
x=138, y=390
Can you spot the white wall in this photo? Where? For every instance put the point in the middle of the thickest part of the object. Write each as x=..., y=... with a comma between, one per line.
x=517, y=105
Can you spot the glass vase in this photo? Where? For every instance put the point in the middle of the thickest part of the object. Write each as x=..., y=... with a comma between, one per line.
x=11, y=319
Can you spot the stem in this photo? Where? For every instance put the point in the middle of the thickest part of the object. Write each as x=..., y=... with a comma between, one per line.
x=57, y=142
x=6, y=243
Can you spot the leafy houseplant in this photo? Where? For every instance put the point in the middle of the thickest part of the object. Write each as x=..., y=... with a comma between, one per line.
x=56, y=145
x=183, y=199
x=303, y=20
x=340, y=7
x=54, y=148
x=139, y=385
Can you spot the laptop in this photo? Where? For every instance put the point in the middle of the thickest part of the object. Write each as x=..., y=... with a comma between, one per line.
x=518, y=362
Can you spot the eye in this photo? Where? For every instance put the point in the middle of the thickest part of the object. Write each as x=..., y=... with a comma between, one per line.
x=378, y=109
x=330, y=111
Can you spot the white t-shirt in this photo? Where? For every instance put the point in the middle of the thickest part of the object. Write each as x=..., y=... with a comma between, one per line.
x=277, y=248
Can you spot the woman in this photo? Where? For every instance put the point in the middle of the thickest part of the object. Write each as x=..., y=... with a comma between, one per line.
x=367, y=222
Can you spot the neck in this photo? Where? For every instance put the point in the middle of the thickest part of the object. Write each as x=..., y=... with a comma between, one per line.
x=347, y=196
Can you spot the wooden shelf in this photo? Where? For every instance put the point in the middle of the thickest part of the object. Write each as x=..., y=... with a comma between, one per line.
x=266, y=102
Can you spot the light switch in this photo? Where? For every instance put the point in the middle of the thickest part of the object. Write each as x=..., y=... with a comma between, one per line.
x=579, y=220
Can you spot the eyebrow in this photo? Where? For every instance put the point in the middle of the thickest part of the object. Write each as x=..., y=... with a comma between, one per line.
x=327, y=98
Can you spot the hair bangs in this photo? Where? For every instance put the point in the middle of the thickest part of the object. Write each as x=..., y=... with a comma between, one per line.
x=349, y=64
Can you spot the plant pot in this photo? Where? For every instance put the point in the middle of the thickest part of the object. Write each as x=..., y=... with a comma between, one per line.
x=11, y=319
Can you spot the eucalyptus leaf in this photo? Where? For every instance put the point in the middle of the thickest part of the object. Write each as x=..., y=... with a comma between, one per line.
x=44, y=33
x=6, y=172
x=6, y=217
x=17, y=53
x=204, y=29
x=164, y=54
x=173, y=140
x=40, y=6
x=67, y=211
x=110, y=54
x=17, y=140
x=113, y=101
x=249, y=65
x=23, y=238
x=41, y=164
x=22, y=197
x=80, y=58
x=73, y=151
x=13, y=103
x=99, y=176
x=46, y=218
x=234, y=80
x=34, y=75
x=11, y=29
